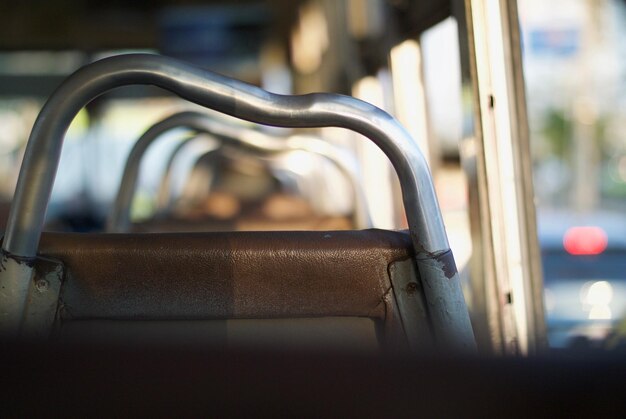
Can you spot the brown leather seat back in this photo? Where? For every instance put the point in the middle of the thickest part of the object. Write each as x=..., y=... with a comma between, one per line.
x=235, y=275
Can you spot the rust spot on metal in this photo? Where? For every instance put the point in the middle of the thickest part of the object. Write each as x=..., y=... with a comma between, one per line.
x=447, y=263
x=411, y=288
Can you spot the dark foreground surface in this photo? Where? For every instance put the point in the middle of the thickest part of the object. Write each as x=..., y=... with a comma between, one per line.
x=88, y=381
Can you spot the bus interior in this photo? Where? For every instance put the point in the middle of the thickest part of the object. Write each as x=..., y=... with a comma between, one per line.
x=313, y=207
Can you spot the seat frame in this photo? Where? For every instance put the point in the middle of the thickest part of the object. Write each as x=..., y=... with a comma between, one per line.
x=445, y=304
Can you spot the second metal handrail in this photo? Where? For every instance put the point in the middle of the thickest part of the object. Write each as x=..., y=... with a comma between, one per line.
x=246, y=138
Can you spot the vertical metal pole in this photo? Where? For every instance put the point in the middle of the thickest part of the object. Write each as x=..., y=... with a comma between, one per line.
x=509, y=247
x=483, y=299
x=410, y=106
x=409, y=90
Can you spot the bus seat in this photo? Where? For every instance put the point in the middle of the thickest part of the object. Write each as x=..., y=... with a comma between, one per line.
x=309, y=290
x=230, y=276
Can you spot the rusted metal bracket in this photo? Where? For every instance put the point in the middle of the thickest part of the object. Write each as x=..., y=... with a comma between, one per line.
x=30, y=287
x=409, y=294
x=43, y=299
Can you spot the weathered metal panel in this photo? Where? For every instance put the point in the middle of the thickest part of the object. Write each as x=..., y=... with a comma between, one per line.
x=409, y=294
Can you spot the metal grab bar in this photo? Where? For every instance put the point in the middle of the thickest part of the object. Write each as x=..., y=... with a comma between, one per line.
x=359, y=215
x=447, y=310
x=164, y=195
x=246, y=138
x=361, y=218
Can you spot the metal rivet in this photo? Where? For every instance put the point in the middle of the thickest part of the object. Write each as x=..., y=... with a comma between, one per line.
x=42, y=285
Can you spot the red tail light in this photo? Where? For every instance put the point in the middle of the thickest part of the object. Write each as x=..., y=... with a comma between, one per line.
x=585, y=241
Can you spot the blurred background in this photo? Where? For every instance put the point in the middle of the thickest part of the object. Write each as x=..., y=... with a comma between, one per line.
x=407, y=57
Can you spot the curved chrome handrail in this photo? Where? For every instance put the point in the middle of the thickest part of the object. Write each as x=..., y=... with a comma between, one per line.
x=119, y=220
x=228, y=96
x=163, y=201
x=447, y=311
x=341, y=159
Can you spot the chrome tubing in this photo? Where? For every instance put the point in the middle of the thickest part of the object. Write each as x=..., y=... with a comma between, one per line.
x=119, y=218
x=447, y=310
x=246, y=138
x=163, y=202
x=360, y=215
